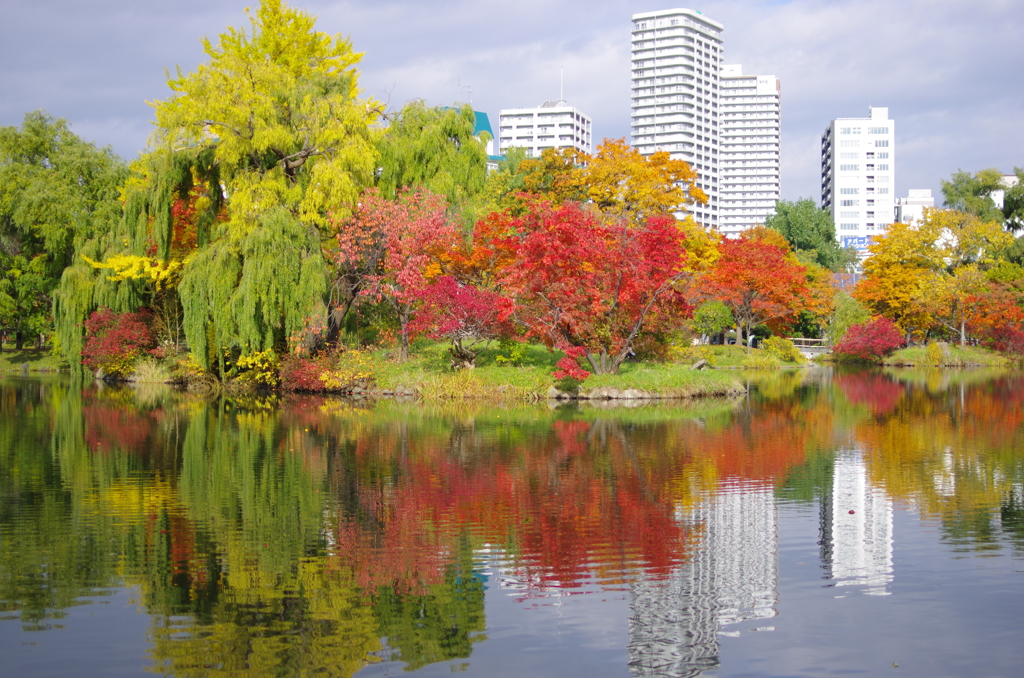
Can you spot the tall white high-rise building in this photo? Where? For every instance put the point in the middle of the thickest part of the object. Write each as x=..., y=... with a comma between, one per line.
x=553, y=124
x=676, y=65
x=750, y=133
x=858, y=172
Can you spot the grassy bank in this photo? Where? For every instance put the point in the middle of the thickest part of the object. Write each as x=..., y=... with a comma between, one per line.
x=935, y=355
x=527, y=375
x=36, y=360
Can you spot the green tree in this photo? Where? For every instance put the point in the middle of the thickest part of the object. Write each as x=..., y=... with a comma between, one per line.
x=811, y=233
x=985, y=195
x=712, y=317
x=56, y=191
x=433, y=148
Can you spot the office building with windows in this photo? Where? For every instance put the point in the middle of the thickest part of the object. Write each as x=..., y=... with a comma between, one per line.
x=749, y=150
x=858, y=170
x=553, y=124
x=676, y=68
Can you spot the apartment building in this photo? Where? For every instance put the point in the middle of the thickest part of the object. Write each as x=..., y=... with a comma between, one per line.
x=750, y=138
x=676, y=68
x=553, y=124
x=858, y=170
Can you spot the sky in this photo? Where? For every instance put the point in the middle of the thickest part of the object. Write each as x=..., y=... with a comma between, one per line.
x=950, y=71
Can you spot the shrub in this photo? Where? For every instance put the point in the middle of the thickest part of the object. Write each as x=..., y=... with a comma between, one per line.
x=327, y=373
x=783, y=349
x=258, y=370
x=872, y=340
x=568, y=373
x=762, y=361
x=115, y=341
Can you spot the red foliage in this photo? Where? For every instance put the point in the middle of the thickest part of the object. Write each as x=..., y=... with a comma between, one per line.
x=304, y=374
x=996, y=319
x=581, y=281
x=460, y=313
x=114, y=340
x=874, y=391
x=568, y=367
x=872, y=340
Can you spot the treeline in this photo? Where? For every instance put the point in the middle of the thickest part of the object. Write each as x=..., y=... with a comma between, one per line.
x=278, y=214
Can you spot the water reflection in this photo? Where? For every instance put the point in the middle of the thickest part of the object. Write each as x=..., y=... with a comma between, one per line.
x=313, y=534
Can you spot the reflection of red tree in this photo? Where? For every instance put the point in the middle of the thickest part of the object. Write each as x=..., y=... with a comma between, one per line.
x=876, y=392
x=765, y=447
x=112, y=425
x=560, y=505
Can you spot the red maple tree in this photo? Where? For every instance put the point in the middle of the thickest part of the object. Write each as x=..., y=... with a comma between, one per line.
x=388, y=246
x=583, y=281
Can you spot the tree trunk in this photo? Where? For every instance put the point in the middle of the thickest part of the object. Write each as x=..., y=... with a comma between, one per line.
x=19, y=340
x=963, y=334
x=750, y=338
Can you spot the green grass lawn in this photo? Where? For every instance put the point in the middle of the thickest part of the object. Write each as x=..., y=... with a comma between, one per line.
x=529, y=375
x=37, y=359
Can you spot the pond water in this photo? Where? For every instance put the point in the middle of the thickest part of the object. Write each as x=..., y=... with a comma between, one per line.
x=864, y=523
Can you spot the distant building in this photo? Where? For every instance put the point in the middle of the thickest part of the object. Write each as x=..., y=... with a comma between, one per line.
x=676, y=65
x=911, y=208
x=750, y=137
x=858, y=169
x=553, y=124
x=483, y=124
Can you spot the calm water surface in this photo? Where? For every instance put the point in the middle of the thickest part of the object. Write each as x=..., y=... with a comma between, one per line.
x=866, y=523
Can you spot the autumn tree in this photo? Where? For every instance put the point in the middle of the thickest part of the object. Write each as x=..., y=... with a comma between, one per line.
x=757, y=280
x=918, y=274
x=272, y=125
x=583, y=281
x=394, y=245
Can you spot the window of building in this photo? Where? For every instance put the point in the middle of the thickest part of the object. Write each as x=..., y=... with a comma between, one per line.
x=878, y=130
x=848, y=227
x=849, y=215
x=849, y=191
x=849, y=168
x=881, y=143
x=849, y=203
x=884, y=155
x=883, y=167
x=883, y=189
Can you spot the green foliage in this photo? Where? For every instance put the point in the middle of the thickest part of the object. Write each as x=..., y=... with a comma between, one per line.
x=257, y=295
x=973, y=193
x=811, y=233
x=783, y=349
x=56, y=192
x=433, y=148
x=712, y=317
x=849, y=312
x=510, y=352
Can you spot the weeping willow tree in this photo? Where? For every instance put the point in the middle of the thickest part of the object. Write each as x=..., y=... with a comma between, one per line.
x=433, y=148
x=259, y=145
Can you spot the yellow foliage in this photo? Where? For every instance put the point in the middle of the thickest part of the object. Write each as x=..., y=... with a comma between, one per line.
x=132, y=267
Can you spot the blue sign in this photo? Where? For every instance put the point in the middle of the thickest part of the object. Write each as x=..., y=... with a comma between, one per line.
x=858, y=242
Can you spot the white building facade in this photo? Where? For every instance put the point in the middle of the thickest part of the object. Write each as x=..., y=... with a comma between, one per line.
x=553, y=124
x=676, y=67
x=858, y=171
x=750, y=138
x=911, y=208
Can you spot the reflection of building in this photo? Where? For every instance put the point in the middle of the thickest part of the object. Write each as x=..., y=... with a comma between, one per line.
x=732, y=577
x=858, y=169
x=856, y=528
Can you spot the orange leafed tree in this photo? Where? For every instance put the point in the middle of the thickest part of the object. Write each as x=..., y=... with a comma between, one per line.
x=758, y=280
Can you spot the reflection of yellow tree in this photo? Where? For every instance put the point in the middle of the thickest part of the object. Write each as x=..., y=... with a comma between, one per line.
x=955, y=454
